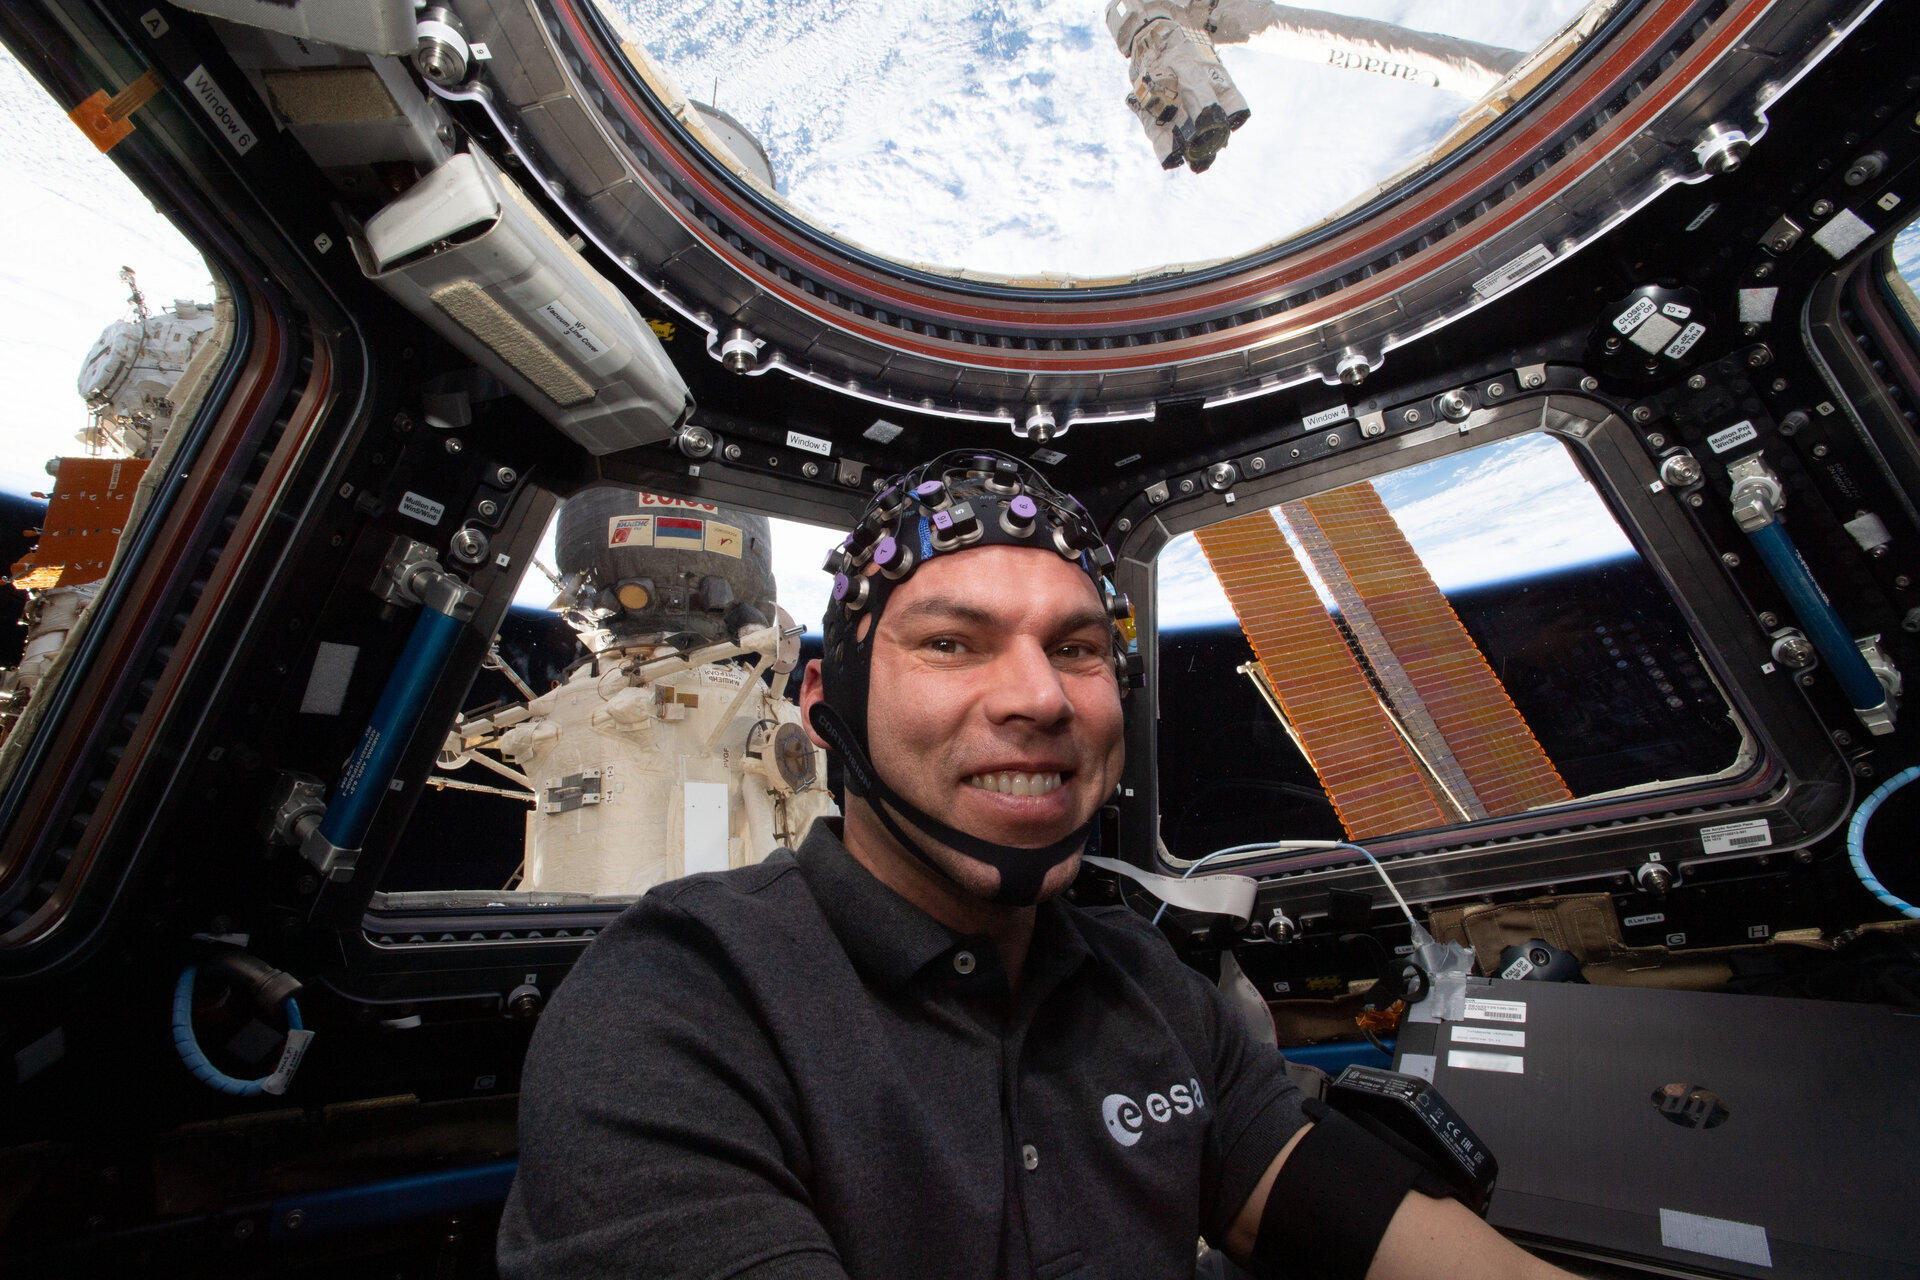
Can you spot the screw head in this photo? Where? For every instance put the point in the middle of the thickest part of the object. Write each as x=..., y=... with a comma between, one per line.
x=1642, y=414
x=402, y=423
x=1681, y=471
x=1819, y=451
x=1759, y=358
x=1412, y=415
x=488, y=508
x=1902, y=581
x=1496, y=389
x=454, y=444
x=1750, y=330
x=810, y=469
x=1656, y=441
x=1731, y=559
x=1258, y=464
x=1589, y=384
x=1821, y=208
x=296, y=1219
x=1762, y=271
x=1697, y=382
x=1124, y=526
x=1769, y=620
x=731, y=453
x=1695, y=500
x=505, y=477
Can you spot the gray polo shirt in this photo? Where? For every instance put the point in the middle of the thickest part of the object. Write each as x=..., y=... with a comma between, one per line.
x=788, y=1071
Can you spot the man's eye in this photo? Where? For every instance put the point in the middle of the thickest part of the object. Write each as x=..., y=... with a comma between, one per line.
x=945, y=644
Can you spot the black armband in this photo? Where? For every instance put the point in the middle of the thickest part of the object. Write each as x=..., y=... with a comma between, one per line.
x=1331, y=1204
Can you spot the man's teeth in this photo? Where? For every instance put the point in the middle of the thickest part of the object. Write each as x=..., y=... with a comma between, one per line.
x=1016, y=784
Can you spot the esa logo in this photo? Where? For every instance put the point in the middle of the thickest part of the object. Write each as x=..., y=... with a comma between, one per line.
x=1126, y=1120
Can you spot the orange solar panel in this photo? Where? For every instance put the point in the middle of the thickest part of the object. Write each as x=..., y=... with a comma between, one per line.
x=85, y=515
x=1484, y=730
x=1373, y=780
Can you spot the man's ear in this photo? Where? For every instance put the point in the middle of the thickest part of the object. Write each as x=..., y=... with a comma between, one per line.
x=813, y=689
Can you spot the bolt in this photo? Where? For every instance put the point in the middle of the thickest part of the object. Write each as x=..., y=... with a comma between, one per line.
x=1759, y=358
x=1793, y=422
x=338, y=538
x=455, y=444
x=1902, y=581
x=469, y=545
x=1819, y=451
x=810, y=469
x=1333, y=440
x=1862, y=769
x=296, y=1218
x=1821, y=208
x=1697, y=382
x=243, y=1229
x=1612, y=343
x=1731, y=559
x=1654, y=877
x=1793, y=650
x=1221, y=475
x=488, y=508
x=1695, y=500
x=401, y=422
x=1841, y=738
x=1803, y=856
x=1762, y=271
x=346, y=490
x=1353, y=368
x=1642, y=414
x=1496, y=389
x=1656, y=441
x=1750, y=330
x=1535, y=380
x=1279, y=928
x=694, y=441
x=1258, y=464
x=1681, y=471
x=1412, y=415
x=1806, y=680
x=1454, y=405
x=1865, y=169
x=731, y=453
x=1769, y=620
x=1186, y=486
x=505, y=477
x=1124, y=526
x=1912, y=621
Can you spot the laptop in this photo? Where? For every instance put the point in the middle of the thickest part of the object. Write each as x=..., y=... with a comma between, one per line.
x=1693, y=1133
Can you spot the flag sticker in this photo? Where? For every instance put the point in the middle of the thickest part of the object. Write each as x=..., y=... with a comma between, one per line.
x=723, y=538
x=680, y=532
x=630, y=531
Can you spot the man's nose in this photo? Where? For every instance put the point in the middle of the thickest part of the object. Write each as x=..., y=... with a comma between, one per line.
x=1024, y=685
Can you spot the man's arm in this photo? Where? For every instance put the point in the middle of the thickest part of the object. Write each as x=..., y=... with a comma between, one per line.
x=658, y=1129
x=1427, y=1239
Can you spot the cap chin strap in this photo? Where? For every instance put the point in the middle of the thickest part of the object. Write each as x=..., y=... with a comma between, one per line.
x=1022, y=871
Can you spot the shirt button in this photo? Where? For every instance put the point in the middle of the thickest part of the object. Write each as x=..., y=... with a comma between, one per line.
x=1030, y=1157
x=963, y=962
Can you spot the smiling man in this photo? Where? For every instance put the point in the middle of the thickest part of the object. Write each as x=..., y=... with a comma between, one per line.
x=896, y=1052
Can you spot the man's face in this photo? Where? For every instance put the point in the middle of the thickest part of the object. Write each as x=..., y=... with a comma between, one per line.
x=993, y=704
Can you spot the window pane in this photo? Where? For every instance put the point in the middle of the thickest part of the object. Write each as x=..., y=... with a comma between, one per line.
x=576, y=797
x=1466, y=638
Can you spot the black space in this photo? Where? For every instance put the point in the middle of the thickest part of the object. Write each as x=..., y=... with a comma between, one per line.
x=1583, y=655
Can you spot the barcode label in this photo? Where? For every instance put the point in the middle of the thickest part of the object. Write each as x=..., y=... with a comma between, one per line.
x=1752, y=834
x=1502, y=1037
x=1496, y=1010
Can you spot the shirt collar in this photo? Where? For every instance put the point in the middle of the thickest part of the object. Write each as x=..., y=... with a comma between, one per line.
x=891, y=940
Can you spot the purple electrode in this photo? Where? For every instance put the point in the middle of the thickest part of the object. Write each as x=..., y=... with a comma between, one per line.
x=929, y=489
x=943, y=521
x=841, y=585
x=885, y=550
x=1023, y=508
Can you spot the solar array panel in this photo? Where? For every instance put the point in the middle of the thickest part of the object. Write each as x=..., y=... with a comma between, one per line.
x=1484, y=731
x=1370, y=775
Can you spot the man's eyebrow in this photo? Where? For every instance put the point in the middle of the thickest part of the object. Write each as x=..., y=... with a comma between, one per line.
x=958, y=611
x=940, y=609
